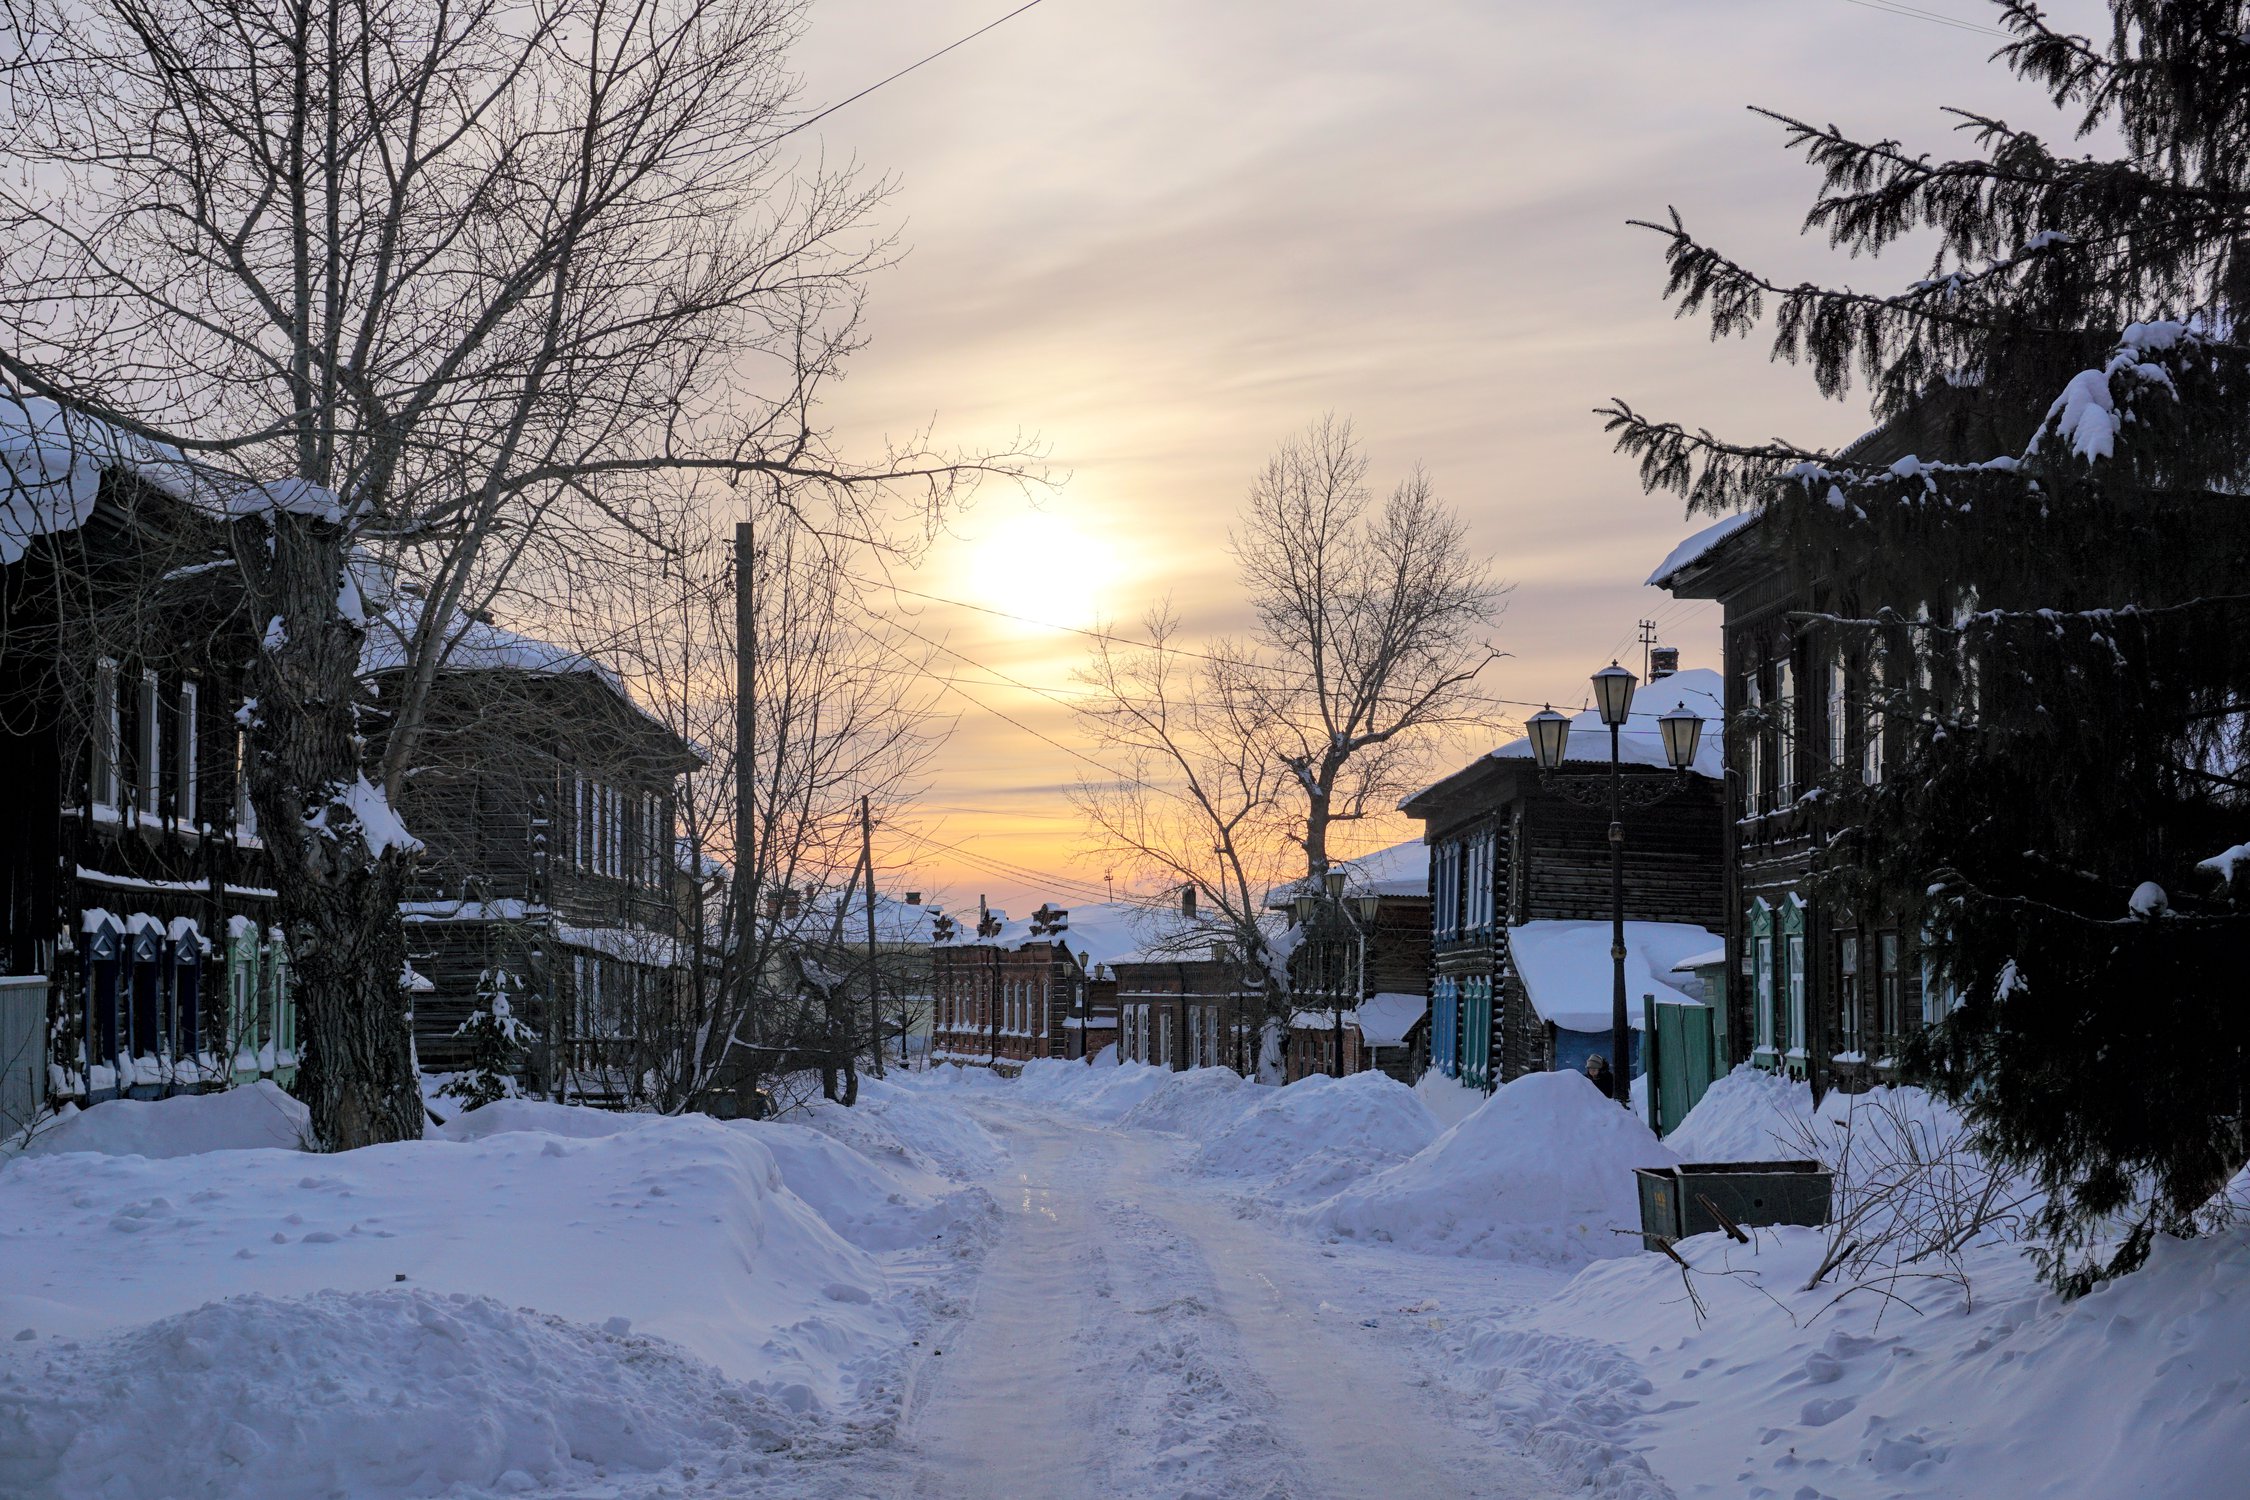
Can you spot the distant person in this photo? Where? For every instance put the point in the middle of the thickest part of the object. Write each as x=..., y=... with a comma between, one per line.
x=1598, y=1074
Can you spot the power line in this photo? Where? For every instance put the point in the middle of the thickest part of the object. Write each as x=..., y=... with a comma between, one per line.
x=901, y=73
x=1893, y=8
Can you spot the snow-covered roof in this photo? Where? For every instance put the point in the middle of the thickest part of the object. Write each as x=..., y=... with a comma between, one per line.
x=895, y=921
x=1693, y=549
x=51, y=463
x=632, y=944
x=1716, y=958
x=1565, y=967
x=1400, y=870
x=1386, y=1018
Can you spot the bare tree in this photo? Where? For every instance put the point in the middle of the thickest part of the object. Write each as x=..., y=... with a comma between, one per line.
x=1371, y=628
x=844, y=708
x=1236, y=764
x=1198, y=798
x=435, y=282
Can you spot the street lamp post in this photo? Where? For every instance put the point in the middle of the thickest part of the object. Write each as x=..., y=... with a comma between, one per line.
x=1549, y=732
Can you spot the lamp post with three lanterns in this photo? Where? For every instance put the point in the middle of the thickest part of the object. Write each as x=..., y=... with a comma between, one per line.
x=1682, y=731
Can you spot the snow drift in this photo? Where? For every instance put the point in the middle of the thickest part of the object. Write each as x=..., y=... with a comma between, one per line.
x=401, y=1392
x=1543, y=1172
x=1301, y=1143
x=257, y=1114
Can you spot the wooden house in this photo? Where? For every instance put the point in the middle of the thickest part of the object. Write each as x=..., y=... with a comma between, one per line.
x=1359, y=965
x=133, y=882
x=1821, y=994
x=1520, y=887
x=545, y=800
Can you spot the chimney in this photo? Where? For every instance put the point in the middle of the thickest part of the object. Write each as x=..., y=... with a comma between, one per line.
x=1187, y=900
x=1663, y=661
x=913, y=898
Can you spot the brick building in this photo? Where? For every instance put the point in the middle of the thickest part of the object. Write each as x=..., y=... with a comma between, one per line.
x=1003, y=993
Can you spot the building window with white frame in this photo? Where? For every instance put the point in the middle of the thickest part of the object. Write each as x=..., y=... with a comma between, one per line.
x=108, y=789
x=1784, y=730
x=148, y=770
x=1761, y=987
x=1796, y=962
x=1839, y=709
x=184, y=804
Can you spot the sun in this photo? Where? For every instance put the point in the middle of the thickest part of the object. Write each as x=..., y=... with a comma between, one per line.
x=1042, y=566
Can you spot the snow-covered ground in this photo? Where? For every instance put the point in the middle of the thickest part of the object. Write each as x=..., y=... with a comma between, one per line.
x=1107, y=1282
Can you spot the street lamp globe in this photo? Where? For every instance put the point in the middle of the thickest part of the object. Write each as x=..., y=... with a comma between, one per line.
x=1549, y=732
x=1683, y=731
x=1613, y=693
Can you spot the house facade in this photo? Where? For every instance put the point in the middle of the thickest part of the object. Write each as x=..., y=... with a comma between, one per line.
x=545, y=801
x=133, y=881
x=1359, y=965
x=1005, y=992
x=1520, y=900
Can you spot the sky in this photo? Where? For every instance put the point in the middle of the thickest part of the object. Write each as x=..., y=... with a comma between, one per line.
x=1164, y=235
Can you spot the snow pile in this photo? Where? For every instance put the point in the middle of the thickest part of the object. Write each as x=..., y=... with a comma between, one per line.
x=572, y=1121
x=1543, y=1172
x=1451, y=1100
x=684, y=1226
x=257, y=1114
x=1301, y=1143
x=1199, y=1103
x=381, y=1393
x=2142, y=1387
x=877, y=1205
x=1098, y=1093
x=1749, y=1115
x=902, y=1120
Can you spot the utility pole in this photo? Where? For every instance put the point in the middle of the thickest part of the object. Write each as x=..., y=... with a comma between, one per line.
x=1648, y=644
x=874, y=970
x=745, y=779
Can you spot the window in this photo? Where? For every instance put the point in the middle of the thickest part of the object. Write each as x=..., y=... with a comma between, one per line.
x=1871, y=726
x=108, y=737
x=1839, y=716
x=1754, y=788
x=1762, y=988
x=1847, y=992
x=1796, y=961
x=184, y=803
x=245, y=810
x=1888, y=1015
x=1784, y=732
x=148, y=743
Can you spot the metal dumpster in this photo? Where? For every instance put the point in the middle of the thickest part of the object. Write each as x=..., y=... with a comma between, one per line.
x=1677, y=1202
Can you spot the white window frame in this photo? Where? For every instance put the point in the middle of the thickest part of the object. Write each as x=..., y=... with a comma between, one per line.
x=148, y=772
x=1794, y=951
x=245, y=811
x=1761, y=986
x=1785, y=730
x=1839, y=710
x=109, y=738
x=184, y=804
x=1871, y=722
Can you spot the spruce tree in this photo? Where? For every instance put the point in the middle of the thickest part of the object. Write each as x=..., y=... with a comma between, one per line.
x=497, y=1039
x=2056, y=593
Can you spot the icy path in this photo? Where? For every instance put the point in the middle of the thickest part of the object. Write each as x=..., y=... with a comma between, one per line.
x=1131, y=1336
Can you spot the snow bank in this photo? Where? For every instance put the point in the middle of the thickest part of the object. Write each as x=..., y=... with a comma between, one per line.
x=1543, y=1172
x=877, y=1205
x=2139, y=1388
x=1749, y=1115
x=1451, y=1100
x=906, y=1120
x=1301, y=1143
x=256, y=1115
x=684, y=1226
x=572, y=1121
x=371, y=1394
x=1200, y=1103
x=1098, y=1093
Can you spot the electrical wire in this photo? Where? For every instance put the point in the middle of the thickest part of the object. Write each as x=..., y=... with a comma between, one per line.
x=812, y=120
x=1908, y=12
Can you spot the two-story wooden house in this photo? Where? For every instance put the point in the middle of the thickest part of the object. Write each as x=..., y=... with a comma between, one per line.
x=1520, y=886
x=545, y=801
x=1359, y=965
x=132, y=877
x=1818, y=993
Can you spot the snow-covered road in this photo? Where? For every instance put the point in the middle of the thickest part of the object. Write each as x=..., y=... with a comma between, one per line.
x=1132, y=1334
